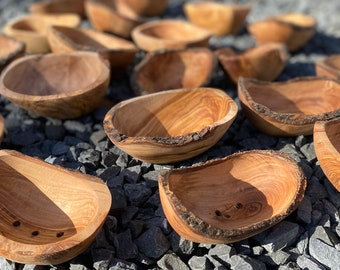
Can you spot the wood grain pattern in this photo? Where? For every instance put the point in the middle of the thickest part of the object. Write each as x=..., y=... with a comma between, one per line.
x=143, y=7
x=58, y=6
x=10, y=49
x=328, y=66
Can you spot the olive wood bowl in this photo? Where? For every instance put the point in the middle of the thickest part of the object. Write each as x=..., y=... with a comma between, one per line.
x=10, y=49
x=58, y=6
x=231, y=198
x=59, y=85
x=289, y=108
x=292, y=29
x=170, y=126
x=48, y=214
x=220, y=18
x=173, y=69
x=329, y=67
x=263, y=62
x=326, y=137
x=170, y=34
x=143, y=7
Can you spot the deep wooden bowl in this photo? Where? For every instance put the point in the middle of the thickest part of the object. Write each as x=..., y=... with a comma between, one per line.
x=327, y=148
x=173, y=69
x=59, y=85
x=263, y=62
x=48, y=214
x=289, y=108
x=329, y=66
x=143, y=7
x=292, y=29
x=58, y=6
x=232, y=198
x=220, y=18
x=170, y=34
x=171, y=125
x=10, y=49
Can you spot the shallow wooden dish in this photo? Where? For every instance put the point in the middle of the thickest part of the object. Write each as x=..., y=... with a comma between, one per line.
x=326, y=137
x=232, y=198
x=143, y=7
x=170, y=34
x=173, y=69
x=10, y=49
x=171, y=125
x=263, y=62
x=59, y=85
x=48, y=214
x=289, y=108
x=329, y=67
x=220, y=18
x=58, y=6
x=292, y=29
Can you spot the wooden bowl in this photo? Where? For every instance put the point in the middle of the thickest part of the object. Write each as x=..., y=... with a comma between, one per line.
x=143, y=7
x=232, y=198
x=292, y=29
x=58, y=6
x=173, y=69
x=329, y=66
x=10, y=49
x=263, y=62
x=59, y=85
x=220, y=18
x=48, y=214
x=327, y=148
x=171, y=125
x=289, y=108
x=2, y=127
x=32, y=29
x=170, y=34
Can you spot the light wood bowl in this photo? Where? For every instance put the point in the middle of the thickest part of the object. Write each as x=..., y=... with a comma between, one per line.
x=170, y=34
x=59, y=85
x=232, y=198
x=173, y=69
x=327, y=148
x=329, y=67
x=220, y=18
x=289, y=108
x=263, y=62
x=292, y=29
x=143, y=7
x=170, y=126
x=58, y=6
x=48, y=214
x=10, y=49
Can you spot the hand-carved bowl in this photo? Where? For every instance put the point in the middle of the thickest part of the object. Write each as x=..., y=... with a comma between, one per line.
x=10, y=49
x=170, y=34
x=289, y=108
x=329, y=66
x=263, y=62
x=32, y=29
x=292, y=29
x=170, y=126
x=144, y=7
x=327, y=148
x=232, y=198
x=58, y=6
x=220, y=18
x=173, y=69
x=60, y=85
x=48, y=214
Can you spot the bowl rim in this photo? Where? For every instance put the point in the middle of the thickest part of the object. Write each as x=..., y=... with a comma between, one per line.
x=8, y=57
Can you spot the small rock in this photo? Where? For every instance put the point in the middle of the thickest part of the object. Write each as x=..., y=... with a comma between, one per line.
x=180, y=245
x=117, y=264
x=97, y=136
x=244, y=262
x=308, y=263
x=279, y=257
x=118, y=198
x=302, y=244
x=172, y=261
x=199, y=263
x=315, y=190
x=125, y=248
x=60, y=148
x=137, y=194
x=54, y=129
x=309, y=152
x=132, y=174
x=304, y=211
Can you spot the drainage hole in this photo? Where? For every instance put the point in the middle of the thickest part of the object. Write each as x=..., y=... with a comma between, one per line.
x=59, y=234
x=218, y=213
x=16, y=223
x=35, y=233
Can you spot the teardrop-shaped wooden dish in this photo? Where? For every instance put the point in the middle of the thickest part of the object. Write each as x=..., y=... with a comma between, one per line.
x=10, y=49
x=48, y=214
x=289, y=108
x=329, y=66
x=292, y=29
x=173, y=69
x=232, y=198
x=171, y=125
x=220, y=18
x=143, y=7
x=263, y=62
x=326, y=139
x=170, y=34
x=58, y=6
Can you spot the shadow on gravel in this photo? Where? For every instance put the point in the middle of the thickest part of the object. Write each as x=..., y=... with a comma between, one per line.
x=322, y=44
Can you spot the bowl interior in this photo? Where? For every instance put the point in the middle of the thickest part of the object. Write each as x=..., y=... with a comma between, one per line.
x=332, y=129
x=8, y=46
x=333, y=61
x=297, y=19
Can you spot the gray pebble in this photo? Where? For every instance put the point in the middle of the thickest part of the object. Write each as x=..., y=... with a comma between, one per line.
x=308, y=263
x=125, y=247
x=137, y=194
x=171, y=261
x=199, y=263
x=244, y=262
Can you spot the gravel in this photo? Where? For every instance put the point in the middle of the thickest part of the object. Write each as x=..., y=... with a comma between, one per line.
x=136, y=235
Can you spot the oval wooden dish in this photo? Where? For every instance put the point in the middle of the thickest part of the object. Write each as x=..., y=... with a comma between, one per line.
x=289, y=108
x=59, y=85
x=232, y=198
x=143, y=7
x=327, y=149
x=329, y=66
x=170, y=34
x=292, y=29
x=170, y=126
x=10, y=49
x=58, y=6
x=263, y=62
x=172, y=69
x=48, y=214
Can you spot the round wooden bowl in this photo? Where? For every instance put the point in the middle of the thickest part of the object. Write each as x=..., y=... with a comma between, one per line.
x=144, y=7
x=329, y=67
x=170, y=34
x=47, y=220
x=292, y=29
x=327, y=148
x=173, y=69
x=58, y=6
x=232, y=198
x=263, y=62
x=220, y=18
x=59, y=85
x=170, y=126
x=289, y=108
x=10, y=49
